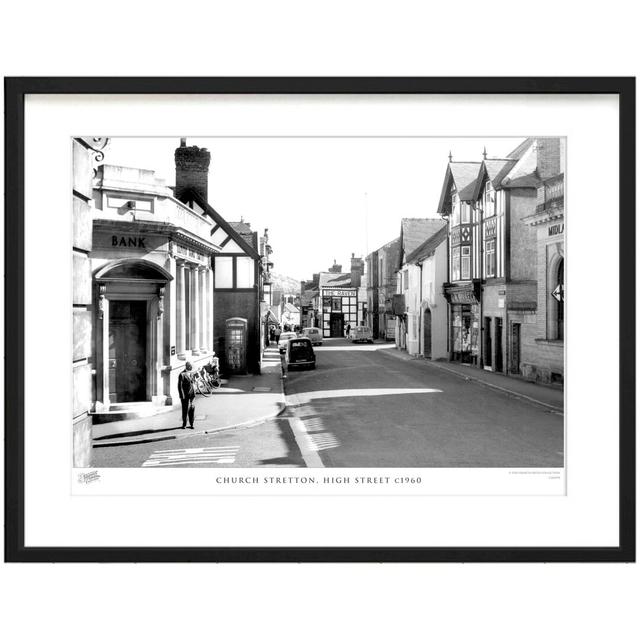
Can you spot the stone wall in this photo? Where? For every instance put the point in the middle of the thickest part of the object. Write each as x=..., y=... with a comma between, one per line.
x=81, y=304
x=522, y=255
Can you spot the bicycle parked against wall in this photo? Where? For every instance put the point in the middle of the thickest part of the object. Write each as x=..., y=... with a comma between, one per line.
x=207, y=378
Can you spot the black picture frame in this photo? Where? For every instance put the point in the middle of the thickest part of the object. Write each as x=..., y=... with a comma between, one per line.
x=16, y=89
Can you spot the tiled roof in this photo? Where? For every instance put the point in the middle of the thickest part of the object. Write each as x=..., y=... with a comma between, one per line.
x=328, y=279
x=247, y=245
x=464, y=176
x=519, y=151
x=244, y=229
x=388, y=245
x=524, y=173
x=429, y=245
x=497, y=170
x=414, y=231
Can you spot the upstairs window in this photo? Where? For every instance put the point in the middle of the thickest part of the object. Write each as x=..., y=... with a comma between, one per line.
x=455, y=209
x=490, y=258
x=455, y=264
x=465, y=263
x=465, y=213
x=489, y=199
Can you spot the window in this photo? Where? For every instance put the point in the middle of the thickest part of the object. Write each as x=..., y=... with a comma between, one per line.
x=455, y=210
x=244, y=272
x=490, y=259
x=465, y=209
x=455, y=263
x=466, y=263
x=489, y=199
x=224, y=272
x=405, y=279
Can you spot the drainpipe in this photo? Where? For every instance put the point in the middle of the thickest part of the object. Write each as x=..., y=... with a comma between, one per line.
x=420, y=328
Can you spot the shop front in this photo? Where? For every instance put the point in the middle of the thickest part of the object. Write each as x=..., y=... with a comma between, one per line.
x=464, y=322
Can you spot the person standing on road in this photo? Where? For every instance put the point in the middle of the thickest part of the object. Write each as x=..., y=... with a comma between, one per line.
x=348, y=330
x=187, y=393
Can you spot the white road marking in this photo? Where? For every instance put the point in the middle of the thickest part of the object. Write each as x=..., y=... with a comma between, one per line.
x=200, y=455
x=305, y=444
x=320, y=441
x=304, y=397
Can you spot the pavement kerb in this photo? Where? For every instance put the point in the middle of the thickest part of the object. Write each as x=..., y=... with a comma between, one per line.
x=113, y=442
x=468, y=378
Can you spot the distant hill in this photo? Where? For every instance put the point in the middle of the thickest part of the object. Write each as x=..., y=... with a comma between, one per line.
x=284, y=283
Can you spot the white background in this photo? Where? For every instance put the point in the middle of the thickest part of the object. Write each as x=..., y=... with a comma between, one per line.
x=371, y=38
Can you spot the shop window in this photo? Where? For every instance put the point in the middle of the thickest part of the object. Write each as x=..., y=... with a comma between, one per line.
x=490, y=259
x=336, y=304
x=466, y=263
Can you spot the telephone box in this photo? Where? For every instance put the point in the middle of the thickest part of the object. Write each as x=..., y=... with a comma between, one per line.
x=236, y=345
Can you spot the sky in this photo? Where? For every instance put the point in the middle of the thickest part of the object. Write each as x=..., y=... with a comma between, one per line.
x=322, y=199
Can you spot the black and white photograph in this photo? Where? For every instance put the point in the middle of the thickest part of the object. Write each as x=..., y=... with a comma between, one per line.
x=319, y=302
x=315, y=320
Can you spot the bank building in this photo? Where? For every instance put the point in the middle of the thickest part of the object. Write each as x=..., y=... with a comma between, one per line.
x=154, y=276
x=153, y=288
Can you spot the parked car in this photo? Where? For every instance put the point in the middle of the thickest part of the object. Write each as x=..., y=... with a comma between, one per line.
x=314, y=334
x=361, y=334
x=285, y=336
x=299, y=353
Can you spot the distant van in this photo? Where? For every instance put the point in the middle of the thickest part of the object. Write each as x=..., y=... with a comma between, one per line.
x=313, y=333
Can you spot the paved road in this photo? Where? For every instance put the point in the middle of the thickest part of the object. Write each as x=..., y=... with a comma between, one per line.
x=374, y=410
x=362, y=407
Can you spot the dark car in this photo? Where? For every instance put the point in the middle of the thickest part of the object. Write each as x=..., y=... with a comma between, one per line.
x=300, y=353
x=285, y=336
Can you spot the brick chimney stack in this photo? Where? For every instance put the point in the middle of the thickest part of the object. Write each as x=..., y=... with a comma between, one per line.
x=357, y=270
x=192, y=170
x=336, y=268
x=549, y=155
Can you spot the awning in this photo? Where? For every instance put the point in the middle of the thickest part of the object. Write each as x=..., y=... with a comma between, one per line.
x=269, y=317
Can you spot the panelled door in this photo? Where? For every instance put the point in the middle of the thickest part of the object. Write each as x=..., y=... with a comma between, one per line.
x=337, y=325
x=427, y=333
x=127, y=351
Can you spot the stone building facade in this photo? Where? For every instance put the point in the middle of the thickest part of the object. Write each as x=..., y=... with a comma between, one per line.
x=543, y=358
x=381, y=268
x=152, y=282
x=427, y=267
x=407, y=299
x=85, y=150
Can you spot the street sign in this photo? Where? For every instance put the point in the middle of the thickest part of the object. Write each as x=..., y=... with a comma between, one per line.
x=558, y=293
